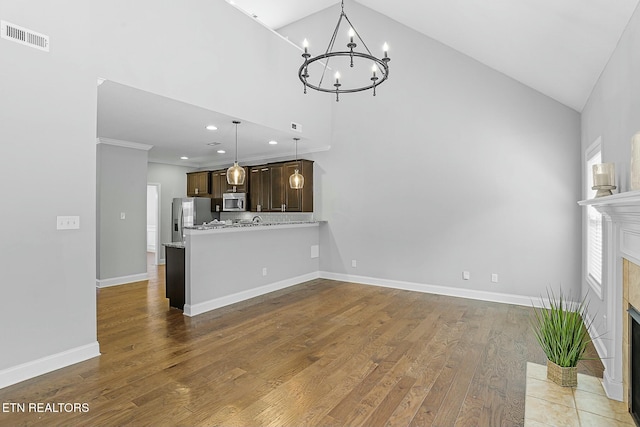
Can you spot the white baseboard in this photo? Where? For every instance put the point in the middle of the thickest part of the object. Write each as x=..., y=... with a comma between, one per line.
x=25, y=371
x=203, y=307
x=597, y=340
x=613, y=389
x=105, y=283
x=436, y=289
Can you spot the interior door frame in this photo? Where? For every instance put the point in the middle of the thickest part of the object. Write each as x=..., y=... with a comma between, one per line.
x=158, y=218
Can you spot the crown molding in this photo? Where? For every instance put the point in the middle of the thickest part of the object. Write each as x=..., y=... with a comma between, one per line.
x=125, y=144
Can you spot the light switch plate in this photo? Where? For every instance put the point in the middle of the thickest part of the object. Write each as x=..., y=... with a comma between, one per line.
x=67, y=222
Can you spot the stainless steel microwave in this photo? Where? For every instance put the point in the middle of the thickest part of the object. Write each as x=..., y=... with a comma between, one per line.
x=234, y=202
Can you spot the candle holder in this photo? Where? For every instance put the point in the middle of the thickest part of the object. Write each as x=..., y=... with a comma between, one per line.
x=604, y=179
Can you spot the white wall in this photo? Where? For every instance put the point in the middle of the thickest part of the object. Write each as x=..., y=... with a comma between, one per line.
x=49, y=130
x=219, y=59
x=48, y=168
x=613, y=113
x=121, y=189
x=173, y=183
x=451, y=167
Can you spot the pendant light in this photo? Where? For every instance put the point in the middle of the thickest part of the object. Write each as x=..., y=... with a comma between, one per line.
x=296, y=180
x=236, y=174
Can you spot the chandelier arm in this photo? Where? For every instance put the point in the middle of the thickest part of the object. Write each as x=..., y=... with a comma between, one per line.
x=330, y=46
x=356, y=33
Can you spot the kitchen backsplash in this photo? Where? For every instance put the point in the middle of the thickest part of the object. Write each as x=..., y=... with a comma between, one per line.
x=268, y=216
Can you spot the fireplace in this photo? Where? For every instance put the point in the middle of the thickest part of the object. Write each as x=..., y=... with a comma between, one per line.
x=620, y=291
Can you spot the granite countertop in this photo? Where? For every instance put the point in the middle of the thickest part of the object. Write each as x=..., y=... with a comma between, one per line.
x=221, y=225
x=177, y=245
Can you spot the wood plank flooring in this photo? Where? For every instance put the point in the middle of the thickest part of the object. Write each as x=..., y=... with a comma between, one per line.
x=323, y=353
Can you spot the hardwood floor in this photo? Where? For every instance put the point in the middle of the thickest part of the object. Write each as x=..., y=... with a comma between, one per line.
x=323, y=353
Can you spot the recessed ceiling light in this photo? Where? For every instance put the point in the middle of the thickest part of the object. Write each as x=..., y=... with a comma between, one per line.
x=221, y=151
x=272, y=142
x=212, y=127
x=184, y=158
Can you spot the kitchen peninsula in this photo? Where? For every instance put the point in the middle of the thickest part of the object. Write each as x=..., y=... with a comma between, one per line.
x=227, y=264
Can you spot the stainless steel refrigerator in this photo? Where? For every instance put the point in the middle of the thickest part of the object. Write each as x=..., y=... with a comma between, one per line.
x=188, y=212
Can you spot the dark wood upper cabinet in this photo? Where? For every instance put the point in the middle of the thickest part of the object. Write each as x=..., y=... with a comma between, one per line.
x=270, y=191
x=198, y=184
x=299, y=200
x=276, y=188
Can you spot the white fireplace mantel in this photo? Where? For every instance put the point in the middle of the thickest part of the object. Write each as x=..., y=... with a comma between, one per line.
x=621, y=239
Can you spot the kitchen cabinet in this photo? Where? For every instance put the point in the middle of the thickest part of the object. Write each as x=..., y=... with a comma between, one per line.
x=219, y=186
x=270, y=191
x=259, y=194
x=299, y=200
x=276, y=187
x=198, y=184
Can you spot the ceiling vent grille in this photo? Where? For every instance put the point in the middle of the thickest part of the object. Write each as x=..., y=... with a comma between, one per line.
x=24, y=36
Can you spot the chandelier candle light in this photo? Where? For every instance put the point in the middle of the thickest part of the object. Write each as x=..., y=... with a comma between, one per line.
x=380, y=66
x=236, y=173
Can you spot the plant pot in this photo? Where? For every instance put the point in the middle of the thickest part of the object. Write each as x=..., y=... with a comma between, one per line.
x=565, y=377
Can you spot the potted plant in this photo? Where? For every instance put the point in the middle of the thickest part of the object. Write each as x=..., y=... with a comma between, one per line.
x=561, y=331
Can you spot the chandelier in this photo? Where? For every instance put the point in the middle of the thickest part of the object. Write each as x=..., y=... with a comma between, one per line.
x=379, y=67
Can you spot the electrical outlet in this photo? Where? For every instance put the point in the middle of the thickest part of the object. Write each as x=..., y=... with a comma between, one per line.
x=494, y=278
x=315, y=251
x=354, y=263
x=123, y=215
x=264, y=271
x=466, y=275
x=68, y=222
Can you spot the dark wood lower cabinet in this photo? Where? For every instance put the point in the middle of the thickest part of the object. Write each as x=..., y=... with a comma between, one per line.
x=174, y=280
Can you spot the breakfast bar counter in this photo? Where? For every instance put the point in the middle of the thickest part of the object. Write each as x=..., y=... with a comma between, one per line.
x=225, y=264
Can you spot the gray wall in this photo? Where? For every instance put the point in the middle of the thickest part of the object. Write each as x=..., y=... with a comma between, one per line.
x=613, y=113
x=121, y=188
x=173, y=183
x=49, y=130
x=452, y=166
x=48, y=164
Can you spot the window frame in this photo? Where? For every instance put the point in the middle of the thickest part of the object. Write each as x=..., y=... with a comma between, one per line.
x=596, y=284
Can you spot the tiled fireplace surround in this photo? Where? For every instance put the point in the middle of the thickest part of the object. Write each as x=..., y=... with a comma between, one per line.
x=620, y=285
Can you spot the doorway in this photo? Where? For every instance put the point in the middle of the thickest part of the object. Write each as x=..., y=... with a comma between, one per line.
x=153, y=221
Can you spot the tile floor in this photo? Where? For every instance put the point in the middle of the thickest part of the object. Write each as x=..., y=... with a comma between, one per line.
x=548, y=404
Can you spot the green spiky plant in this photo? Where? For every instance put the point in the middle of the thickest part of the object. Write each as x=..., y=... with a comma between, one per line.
x=561, y=330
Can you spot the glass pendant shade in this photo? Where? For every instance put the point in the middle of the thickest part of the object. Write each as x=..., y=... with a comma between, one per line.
x=296, y=180
x=235, y=174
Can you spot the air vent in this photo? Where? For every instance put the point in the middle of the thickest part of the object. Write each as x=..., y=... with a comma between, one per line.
x=297, y=127
x=24, y=36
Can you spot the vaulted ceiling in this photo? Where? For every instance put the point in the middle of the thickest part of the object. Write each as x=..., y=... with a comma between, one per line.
x=557, y=47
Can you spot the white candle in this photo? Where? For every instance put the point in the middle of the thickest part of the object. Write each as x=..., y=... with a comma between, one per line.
x=601, y=179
